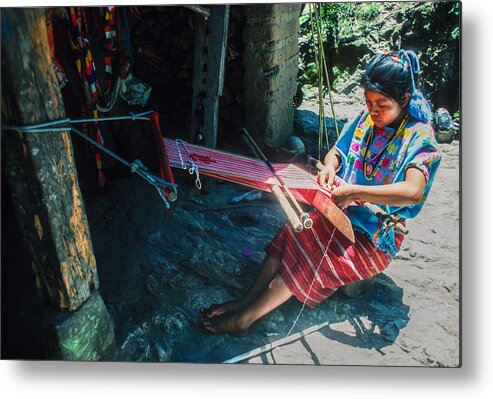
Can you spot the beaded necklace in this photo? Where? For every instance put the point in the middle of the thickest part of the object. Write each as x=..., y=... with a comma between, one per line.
x=370, y=170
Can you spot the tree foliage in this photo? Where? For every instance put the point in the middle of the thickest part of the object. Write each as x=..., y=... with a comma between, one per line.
x=353, y=32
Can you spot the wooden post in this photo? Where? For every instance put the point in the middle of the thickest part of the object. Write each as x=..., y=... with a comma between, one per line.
x=211, y=37
x=40, y=167
x=48, y=204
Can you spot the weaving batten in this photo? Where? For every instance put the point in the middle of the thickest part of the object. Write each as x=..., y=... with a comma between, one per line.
x=389, y=220
x=293, y=218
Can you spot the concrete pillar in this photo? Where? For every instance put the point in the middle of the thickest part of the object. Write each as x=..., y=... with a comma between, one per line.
x=270, y=59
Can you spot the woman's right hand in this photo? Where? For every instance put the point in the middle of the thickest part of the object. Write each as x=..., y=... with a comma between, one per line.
x=328, y=172
x=326, y=177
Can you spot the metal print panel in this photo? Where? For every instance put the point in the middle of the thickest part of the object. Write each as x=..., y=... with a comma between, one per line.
x=257, y=183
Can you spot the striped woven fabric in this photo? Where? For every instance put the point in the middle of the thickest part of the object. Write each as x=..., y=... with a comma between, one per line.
x=314, y=270
x=243, y=170
x=86, y=68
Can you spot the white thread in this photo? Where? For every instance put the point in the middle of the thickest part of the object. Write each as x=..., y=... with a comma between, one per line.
x=313, y=281
x=182, y=165
x=194, y=169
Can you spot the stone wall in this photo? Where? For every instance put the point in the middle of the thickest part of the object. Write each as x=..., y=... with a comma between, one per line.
x=270, y=59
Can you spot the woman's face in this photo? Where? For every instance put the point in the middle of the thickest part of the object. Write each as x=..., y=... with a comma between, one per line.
x=383, y=110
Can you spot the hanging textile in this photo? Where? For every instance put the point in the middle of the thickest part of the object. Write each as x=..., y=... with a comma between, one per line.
x=110, y=16
x=86, y=69
x=61, y=75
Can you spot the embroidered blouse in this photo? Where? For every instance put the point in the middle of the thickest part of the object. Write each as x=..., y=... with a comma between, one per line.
x=414, y=146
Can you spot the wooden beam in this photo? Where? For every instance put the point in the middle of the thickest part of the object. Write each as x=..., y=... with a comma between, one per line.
x=199, y=10
x=211, y=38
x=40, y=167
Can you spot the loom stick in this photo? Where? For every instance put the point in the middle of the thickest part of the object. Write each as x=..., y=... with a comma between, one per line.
x=276, y=190
x=288, y=210
x=305, y=218
x=275, y=344
x=166, y=173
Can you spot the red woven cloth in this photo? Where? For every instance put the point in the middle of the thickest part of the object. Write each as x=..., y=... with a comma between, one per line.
x=302, y=254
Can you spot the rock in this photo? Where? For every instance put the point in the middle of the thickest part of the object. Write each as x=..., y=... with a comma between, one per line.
x=162, y=355
x=245, y=217
x=443, y=124
x=152, y=285
x=85, y=334
x=194, y=226
x=358, y=288
x=306, y=124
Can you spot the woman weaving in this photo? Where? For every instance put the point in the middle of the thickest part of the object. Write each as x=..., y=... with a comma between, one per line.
x=389, y=156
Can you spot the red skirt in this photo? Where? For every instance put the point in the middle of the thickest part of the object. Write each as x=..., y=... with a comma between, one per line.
x=305, y=255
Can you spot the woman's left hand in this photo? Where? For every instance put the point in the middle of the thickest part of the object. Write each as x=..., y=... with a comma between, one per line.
x=344, y=195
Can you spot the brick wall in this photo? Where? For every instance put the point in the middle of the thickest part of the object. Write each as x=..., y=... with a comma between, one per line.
x=270, y=59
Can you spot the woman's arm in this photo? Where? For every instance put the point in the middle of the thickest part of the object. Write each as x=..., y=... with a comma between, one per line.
x=332, y=162
x=405, y=193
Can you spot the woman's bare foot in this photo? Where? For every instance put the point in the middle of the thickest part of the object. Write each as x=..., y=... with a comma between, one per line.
x=222, y=308
x=268, y=270
x=238, y=322
x=228, y=323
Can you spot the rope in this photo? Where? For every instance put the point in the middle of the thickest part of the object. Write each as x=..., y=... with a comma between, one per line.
x=45, y=127
x=136, y=166
x=317, y=53
x=321, y=63
x=326, y=71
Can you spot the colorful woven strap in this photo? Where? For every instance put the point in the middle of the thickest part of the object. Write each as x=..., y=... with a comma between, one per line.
x=110, y=16
x=60, y=73
x=86, y=68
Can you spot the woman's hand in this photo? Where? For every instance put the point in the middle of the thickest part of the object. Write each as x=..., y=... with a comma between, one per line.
x=331, y=164
x=326, y=177
x=344, y=195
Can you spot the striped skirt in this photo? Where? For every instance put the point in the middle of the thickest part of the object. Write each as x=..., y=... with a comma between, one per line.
x=305, y=255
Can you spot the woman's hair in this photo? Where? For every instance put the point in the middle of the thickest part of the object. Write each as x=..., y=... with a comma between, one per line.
x=388, y=74
x=393, y=74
